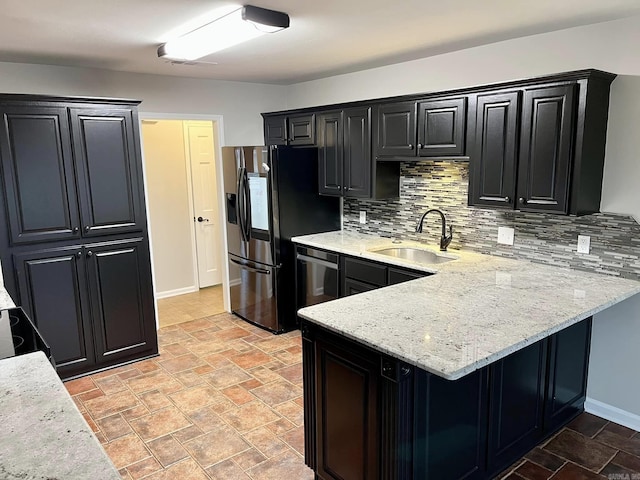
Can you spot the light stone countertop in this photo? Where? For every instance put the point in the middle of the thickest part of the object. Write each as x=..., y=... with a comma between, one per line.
x=5, y=300
x=43, y=433
x=472, y=312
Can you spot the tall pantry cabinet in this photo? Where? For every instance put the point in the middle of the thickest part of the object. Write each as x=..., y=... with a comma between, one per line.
x=73, y=232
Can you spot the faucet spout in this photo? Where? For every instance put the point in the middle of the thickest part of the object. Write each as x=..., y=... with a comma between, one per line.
x=445, y=239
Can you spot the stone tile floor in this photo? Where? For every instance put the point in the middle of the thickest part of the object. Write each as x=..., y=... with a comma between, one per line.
x=224, y=401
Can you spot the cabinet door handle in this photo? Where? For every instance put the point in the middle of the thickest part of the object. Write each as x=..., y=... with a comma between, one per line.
x=507, y=199
x=75, y=229
x=86, y=228
x=411, y=146
x=419, y=146
x=79, y=254
x=89, y=253
x=522, y=200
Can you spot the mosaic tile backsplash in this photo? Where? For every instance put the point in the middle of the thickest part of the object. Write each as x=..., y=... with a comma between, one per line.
x=543, y=238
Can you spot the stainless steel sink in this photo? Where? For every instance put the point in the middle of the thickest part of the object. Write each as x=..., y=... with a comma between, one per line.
x=415, y=255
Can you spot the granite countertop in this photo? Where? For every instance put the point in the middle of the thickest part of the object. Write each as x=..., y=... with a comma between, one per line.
x=474, y=311
x=5, y=299
x=43, y=433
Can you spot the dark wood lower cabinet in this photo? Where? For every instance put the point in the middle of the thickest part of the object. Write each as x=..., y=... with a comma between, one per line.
x=369, y=416
x=92, y=303
x=121, y=299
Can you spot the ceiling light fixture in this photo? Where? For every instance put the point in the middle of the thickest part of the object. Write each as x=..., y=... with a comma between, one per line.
x=241, y=25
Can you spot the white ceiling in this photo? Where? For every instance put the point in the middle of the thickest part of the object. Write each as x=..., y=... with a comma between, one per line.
x=326, y=37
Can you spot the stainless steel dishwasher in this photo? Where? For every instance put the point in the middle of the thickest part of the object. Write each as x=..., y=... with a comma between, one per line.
x=317, y=276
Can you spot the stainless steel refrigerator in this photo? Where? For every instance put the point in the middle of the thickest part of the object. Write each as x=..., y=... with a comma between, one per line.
x=271, y=195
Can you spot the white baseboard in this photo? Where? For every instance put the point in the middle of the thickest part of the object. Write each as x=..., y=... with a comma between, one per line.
x=177, y=291
x=613, y=414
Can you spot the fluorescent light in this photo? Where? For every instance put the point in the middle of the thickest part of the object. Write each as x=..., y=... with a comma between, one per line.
x=241, y=25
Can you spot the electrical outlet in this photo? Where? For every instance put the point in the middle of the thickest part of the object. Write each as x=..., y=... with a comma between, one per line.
x=506, y=235
x=584, y=243
x=363, y=216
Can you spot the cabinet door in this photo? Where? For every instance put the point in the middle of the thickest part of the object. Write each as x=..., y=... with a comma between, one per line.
x=38, y=174
x=545, y=151
x=441, y=127
x=357, y=152
x=396, y=132
x=568, y=366
x=302, y=129
x=121, y=299
x=494, y=154
x=330, y=153
x=275, y=130
x=517, y=392
x=52, y=291
x=109, y=180
x=450, y=421
x=347, y=414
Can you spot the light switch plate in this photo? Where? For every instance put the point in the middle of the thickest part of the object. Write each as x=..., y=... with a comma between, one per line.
x=363, y=216
x=506, y=235
x=584, y=243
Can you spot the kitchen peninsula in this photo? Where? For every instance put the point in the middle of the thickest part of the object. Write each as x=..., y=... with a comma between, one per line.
x=455, y=375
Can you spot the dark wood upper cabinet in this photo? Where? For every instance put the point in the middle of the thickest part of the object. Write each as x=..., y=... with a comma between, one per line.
x=344, y=153
x=302, y=129
x=441, y=127
x=330, y=153
x=50, y=284
x=121, y=299
x=275, y=130
x=108, y=177
x=396, y=129
x=492, y=170
x=36, y=157
x=546, y=149
x=357, y=152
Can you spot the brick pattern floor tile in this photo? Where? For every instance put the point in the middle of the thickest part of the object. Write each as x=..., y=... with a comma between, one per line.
x=224, y=401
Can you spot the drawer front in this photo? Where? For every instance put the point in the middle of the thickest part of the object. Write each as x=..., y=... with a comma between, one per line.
x=364, y=271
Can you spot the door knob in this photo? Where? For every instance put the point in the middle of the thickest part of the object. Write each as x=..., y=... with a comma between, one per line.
x=200, y=219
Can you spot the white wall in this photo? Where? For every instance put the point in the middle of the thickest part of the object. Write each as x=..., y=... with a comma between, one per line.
x=239, y=103
x=168, y=204
x=613, y=46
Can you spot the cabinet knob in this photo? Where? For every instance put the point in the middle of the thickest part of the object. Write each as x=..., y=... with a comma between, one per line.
x=522, y=200
x=79, y=254
x=75, y=229
x=89, y=253
x=419, y=146
x=86, y=228
x=411, y=146
x=507, y=199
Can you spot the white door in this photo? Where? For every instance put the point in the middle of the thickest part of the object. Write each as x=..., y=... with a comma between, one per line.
x=200, y=143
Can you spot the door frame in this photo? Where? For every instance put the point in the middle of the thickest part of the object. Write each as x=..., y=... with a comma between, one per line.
x=218, y=137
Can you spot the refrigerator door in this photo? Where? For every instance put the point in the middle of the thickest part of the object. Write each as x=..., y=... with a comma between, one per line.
x=247, y=185
x=253, y=290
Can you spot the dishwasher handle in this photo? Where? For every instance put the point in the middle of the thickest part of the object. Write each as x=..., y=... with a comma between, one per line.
x=325, y=263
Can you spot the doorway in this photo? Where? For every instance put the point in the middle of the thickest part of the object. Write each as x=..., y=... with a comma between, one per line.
x=181, y=158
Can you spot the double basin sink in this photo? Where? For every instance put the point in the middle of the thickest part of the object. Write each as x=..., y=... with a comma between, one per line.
x=414, y=254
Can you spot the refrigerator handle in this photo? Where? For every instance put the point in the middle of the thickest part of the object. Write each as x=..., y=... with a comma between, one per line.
x=247, y=204
x=239, y=196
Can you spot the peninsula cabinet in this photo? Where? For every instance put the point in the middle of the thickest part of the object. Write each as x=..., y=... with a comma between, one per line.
x=345, y=165
x=369, y=415
x=428, y=128
x=540, y=148
x=73, y=232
